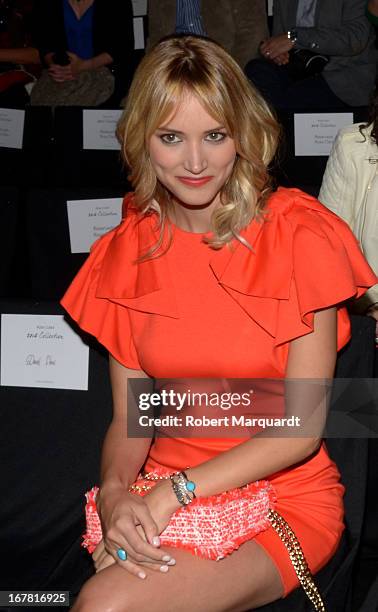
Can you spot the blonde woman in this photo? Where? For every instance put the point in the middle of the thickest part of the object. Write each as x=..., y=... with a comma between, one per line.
x=212, y=275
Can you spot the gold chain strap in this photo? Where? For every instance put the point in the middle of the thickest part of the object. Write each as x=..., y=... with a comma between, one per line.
x=297, y=558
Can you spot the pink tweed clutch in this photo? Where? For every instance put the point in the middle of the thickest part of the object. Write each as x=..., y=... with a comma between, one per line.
x=210, y=527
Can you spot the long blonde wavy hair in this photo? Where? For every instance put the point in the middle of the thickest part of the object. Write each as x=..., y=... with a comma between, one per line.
x=178, y=65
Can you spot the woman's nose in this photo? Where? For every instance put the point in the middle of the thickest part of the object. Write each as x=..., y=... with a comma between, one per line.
x=195, y=159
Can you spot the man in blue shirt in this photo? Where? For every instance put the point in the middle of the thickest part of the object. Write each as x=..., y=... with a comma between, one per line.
x=189, y=18
x=238, y=25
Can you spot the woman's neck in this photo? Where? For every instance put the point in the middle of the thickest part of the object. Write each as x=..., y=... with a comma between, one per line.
x=193, y=218
x=79, y=7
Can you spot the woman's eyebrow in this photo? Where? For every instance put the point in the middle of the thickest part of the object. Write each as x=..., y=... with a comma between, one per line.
x=171, y=130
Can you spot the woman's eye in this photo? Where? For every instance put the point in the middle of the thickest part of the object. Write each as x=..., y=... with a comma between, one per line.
x=170, y=138
x=216, y=136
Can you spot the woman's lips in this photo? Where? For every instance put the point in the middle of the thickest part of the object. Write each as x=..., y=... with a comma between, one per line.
x=195, y=182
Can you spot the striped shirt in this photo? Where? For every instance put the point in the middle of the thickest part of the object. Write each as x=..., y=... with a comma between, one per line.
x=188, y=17
x=306, y=13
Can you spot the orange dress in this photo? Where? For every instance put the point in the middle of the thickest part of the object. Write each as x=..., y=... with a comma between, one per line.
x=231, y=313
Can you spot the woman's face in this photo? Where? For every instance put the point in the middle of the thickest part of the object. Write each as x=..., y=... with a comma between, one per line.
x=192, y=154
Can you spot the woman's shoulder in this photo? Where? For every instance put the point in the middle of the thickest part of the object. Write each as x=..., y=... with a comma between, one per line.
x=355, y=129
x=351, y=138
x=300, y=209
x=119, y=250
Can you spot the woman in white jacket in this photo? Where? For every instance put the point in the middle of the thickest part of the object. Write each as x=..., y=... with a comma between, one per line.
x=350, y=189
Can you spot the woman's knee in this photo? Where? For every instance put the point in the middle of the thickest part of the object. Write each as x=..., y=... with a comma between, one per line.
x=93, y=598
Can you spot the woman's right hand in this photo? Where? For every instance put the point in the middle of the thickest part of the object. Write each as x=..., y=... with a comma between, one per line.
x=127, y=523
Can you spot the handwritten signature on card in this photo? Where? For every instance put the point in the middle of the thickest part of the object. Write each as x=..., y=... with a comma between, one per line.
x=38, y=360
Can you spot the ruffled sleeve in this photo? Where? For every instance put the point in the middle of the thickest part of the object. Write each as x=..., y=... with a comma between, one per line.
x=112, y=282
x=304, y=259
x=102, y=318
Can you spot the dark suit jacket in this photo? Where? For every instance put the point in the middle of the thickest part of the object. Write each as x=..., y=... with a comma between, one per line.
x=343, y=32
x=112, y=28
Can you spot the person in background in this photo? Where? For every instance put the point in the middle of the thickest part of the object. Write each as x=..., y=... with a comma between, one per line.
x=337, y=30
x=19, y=59
x=84, y=37
x=238, y=25
x=350, y=189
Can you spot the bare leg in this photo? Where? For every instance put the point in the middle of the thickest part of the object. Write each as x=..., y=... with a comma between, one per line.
x=246, y=579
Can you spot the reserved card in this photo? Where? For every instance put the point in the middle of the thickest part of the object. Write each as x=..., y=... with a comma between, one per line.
x=90, y=219
x=11, y=128
x=42, y=351
x=315, y=132
x=99, y=128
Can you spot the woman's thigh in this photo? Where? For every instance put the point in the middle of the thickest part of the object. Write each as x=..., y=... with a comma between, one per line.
x=246, y=579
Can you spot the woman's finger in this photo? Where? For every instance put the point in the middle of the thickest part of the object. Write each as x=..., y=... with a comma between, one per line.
x=150, y=528
x=134, y=546
x=124, y=534
x=100, y=548
x=98, y=561
x=105, y=561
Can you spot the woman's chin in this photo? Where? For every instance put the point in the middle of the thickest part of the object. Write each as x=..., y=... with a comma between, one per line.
x=195, y=197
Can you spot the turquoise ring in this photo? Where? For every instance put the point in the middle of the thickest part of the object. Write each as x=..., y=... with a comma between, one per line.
x=122, y=554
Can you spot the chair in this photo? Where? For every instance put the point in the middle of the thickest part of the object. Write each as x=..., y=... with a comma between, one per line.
x=51, y=264
x=38, y=148
x=78, y=167
x=50, y=442
x=297, y=171
x=10, y=239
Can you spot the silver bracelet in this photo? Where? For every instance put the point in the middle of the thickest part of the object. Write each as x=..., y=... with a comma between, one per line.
x=183, y=488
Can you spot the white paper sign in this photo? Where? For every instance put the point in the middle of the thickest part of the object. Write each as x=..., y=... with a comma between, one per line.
x=99, y=129
x=42, y=351
x=314, y=133
x=138, y=33
x=90, y=219
x=11, y=128
x=270, y=8
x=139, y=7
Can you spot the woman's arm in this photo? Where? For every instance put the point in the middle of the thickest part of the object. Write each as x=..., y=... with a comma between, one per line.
x=122, y=457
x=21, y=55
x=310, y=357
x=125, y=517
x=337, y=191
